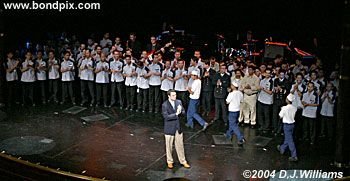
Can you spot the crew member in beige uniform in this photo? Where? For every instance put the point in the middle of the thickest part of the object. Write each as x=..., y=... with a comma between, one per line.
x=249, y=86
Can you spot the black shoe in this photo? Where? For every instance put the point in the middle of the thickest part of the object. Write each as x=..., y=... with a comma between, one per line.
x=240, y=142
x=240, y=124
x=293, y=159
x=252, y=126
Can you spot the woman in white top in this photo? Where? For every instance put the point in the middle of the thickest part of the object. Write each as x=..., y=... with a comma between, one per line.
x=234, y=100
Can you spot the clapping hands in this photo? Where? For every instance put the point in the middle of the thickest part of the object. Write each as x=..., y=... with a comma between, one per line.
x=178, y=111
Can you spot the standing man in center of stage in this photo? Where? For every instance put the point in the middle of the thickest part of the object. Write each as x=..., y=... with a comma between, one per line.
x=171, y=110
x=194, y=91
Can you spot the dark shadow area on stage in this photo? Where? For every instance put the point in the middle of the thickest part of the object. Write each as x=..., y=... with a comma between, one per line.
x=130, y=146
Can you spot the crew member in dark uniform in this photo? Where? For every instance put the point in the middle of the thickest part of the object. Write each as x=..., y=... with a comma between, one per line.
x=207, y=87
x=221, y=82
x=281, y=90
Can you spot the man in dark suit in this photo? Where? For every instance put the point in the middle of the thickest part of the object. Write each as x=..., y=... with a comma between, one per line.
x=171, y=110
x=207, y=87
x=221, y=81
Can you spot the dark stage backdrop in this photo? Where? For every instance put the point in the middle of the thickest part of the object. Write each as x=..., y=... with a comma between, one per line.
x=284, y=20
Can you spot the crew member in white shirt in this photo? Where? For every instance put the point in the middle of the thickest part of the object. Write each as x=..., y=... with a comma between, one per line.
x=265, y=101
x=130, y=75
x=328, y=100
x=117, y=79
x=28, y=79
x=197, y=54
x=310, y=103
x=142, y=86
x=102, y=80
x=181, y=80
x=234, y=100
x=67, y=70
x=87, y=78
x=167, y=80
x=298, y=89
x=11, y=78
x=194, y=92
x=287, y=114
x=154, y=81
x=54, y=75
x=41, y=68
x=193, y=67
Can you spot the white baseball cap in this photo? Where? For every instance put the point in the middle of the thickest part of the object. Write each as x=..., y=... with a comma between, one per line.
x=291, y=97
x=194, y=72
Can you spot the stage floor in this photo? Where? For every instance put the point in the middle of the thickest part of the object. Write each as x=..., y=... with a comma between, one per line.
x=126, y=145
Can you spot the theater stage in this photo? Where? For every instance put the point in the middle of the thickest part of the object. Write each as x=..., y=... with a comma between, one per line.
x=125, y=145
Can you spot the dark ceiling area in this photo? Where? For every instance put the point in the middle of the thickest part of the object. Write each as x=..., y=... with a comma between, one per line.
x=284, y=20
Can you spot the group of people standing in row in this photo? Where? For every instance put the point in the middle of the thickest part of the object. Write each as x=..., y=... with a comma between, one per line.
x=244, y=92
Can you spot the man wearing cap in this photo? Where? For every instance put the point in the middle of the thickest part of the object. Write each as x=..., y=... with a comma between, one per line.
x=194, y=92
x=234, y=100
x=287, y=114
